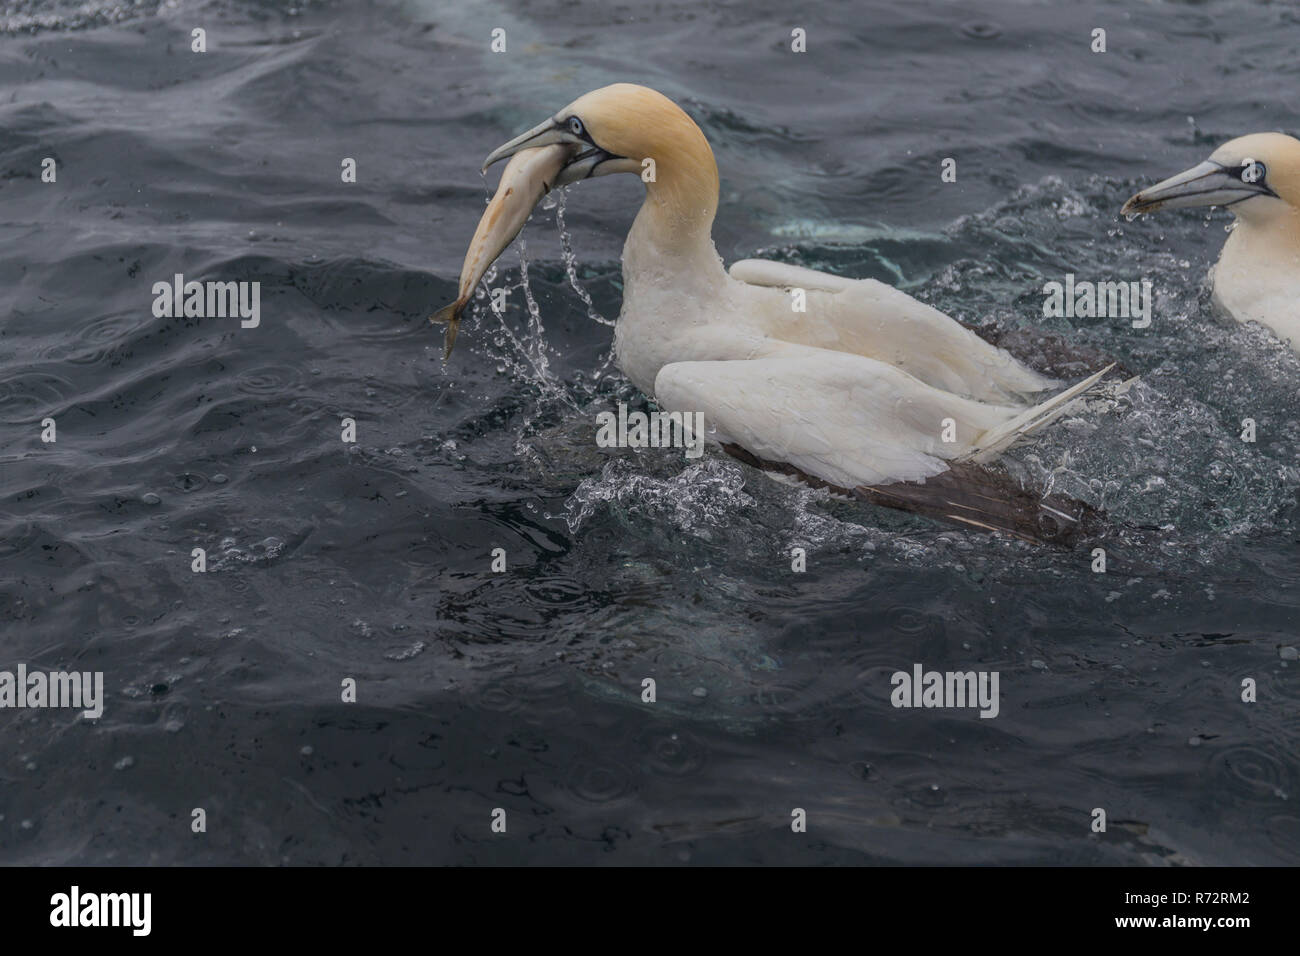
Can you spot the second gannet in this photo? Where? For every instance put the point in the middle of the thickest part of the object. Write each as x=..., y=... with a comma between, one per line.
x=867, y=391
x=1257, y=178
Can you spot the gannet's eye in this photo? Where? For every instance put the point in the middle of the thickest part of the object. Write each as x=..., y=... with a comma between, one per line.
x=575, y=126
x=1252, y=171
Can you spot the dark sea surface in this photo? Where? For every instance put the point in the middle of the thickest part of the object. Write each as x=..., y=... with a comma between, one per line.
x=522, y=690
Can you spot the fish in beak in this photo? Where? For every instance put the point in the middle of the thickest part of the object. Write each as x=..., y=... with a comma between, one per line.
x=555, y=153
x=1212, y=183
x=584, y=161
x=532, y=172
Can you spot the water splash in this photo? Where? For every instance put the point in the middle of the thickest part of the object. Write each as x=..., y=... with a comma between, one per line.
x=705, y=496
x=571, y=261
x=571, y=272
x=229, y=554
x=526, y=357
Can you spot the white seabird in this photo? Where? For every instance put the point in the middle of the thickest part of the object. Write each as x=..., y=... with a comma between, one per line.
x=868, y=391
x=1257, y=178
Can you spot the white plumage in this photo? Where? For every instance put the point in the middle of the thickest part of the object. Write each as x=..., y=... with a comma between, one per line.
x=1257, y=178
x=866, y=388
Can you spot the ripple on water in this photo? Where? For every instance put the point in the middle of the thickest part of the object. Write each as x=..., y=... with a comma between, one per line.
x=501, y=698
x=1250, y=772
x=270, y=380
x=556, y=591
x=545, y=691
x=671, y=754
x=980, y=30
x=597, y=781
x=27, y=397
x=914, y=623
x=873, y=682
x=548, y=691
x=188, y=481
x=93, y=342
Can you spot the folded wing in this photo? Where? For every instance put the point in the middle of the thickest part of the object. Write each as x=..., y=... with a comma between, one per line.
x=869, y=318
x=847, y=419
x=863, y=427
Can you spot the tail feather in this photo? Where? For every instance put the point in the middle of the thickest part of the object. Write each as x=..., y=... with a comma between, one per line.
x=969, y=495
x=989, y=500
x=451, y=315
x=1003, y=436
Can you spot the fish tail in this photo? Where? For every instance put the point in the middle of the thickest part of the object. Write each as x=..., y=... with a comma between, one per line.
x=450, y=315
x=1007, y=434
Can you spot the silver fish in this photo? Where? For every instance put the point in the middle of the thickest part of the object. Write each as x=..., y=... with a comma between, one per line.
x=530, y=175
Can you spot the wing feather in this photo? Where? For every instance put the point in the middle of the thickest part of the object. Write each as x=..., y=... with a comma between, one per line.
x=870, y=318
x=864, y=428
x=845, y=418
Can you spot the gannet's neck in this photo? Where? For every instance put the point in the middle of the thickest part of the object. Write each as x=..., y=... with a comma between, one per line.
x=664, y=250
x=1257, y=277
x=1261, y=257
x=675, y=223
x=674, y=284
x=1271, y=238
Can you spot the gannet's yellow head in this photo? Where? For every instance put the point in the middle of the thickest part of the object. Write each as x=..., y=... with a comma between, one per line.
x=626, y=128
x=1256, y=176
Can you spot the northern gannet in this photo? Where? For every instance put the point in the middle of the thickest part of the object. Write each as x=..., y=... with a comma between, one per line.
x=867, y=392
x=1257, y=177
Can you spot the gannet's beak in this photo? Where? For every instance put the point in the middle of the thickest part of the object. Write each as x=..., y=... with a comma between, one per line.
x=1209, y=184
x=554, y=130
